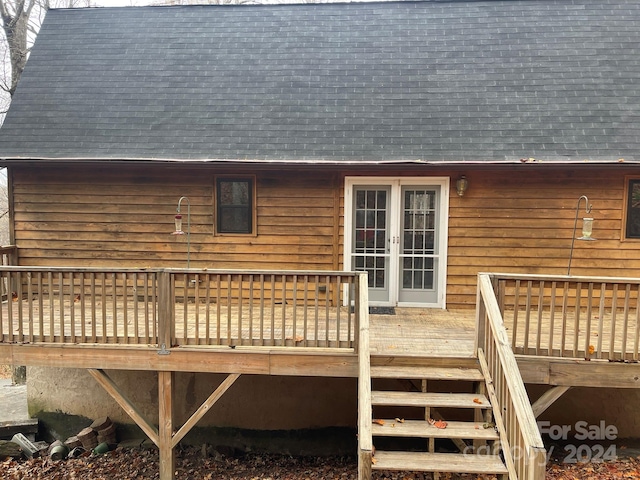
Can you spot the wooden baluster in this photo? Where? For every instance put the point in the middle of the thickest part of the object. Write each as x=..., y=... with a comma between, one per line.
x=612, y=333
x=625, y=321
x=552, y=314
x=527, y=318
x=565, y=309
x=207, y=302
x=516, y=308
x=576, y=330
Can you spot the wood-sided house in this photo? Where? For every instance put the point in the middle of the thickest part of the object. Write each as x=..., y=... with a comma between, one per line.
x=333, y=137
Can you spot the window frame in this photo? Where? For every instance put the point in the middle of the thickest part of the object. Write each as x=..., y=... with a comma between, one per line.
x=628, y=181
x=251, y=179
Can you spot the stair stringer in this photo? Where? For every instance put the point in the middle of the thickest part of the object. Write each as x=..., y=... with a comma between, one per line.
x=432, y=461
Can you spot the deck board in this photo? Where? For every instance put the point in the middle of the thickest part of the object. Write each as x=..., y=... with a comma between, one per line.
x=92, y=339
x=423, y=332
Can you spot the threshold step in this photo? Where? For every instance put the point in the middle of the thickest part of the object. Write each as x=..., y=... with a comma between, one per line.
x=419, y=372
x=422, y=429
x=438, y=462
x=429, y=399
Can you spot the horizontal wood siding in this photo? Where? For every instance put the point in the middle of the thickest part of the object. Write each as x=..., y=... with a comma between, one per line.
x=513, y=219
x=520, y=220
x=124, y=217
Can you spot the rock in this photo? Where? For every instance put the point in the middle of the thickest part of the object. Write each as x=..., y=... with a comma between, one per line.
x=101, y=424
x=73, y=442
x=89, y=438
x=9, y=450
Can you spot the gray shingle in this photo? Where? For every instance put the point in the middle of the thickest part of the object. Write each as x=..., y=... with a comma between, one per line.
x=399, y=81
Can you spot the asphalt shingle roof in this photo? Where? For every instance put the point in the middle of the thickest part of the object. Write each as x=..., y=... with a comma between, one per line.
x=382, y=82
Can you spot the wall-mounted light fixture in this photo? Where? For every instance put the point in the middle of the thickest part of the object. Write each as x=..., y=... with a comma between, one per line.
x=178, y=222
x=587, y=227
x=461, y=185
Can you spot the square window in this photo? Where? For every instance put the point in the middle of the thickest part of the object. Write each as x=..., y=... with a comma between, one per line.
x=633, y=209
x=234, y=205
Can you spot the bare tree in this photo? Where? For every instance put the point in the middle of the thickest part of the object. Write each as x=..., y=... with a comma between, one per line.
x=21, y=21
x=203, y=2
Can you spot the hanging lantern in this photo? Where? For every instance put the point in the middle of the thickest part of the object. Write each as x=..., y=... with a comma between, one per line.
x=461, y=185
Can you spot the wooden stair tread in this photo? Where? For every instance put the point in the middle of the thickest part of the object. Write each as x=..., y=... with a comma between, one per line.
x=438, y=462
x=419, y=372
x=422, y=429
x=431, y=399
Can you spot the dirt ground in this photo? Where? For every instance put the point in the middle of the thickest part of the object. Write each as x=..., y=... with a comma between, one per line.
x=124, y=464
x=193, y=464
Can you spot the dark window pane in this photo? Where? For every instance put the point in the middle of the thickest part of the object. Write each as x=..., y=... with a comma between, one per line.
x=234, y=206
x=234, y=220
x=371, y=199
x=371, y=219
x=633, y=210
x=428, y=280
x=406, y=279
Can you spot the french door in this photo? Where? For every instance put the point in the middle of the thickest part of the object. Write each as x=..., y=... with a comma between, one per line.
x=395, y=229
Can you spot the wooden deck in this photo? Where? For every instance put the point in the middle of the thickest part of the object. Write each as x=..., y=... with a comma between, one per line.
x=94, y=339
x=317, y=324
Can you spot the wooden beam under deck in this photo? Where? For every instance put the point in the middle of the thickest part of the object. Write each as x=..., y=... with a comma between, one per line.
x=578, y=373
x=243, y=360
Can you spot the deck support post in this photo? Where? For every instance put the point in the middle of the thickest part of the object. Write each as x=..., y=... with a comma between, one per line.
x=547, y=399
x=166, y=382
x=166, y=325
x=163, y=436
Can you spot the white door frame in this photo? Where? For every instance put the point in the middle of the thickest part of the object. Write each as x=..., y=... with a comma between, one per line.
x=397, y=183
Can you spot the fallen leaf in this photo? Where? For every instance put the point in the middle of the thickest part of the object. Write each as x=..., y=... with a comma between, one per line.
x=591, y=349
x=378, y=421
x=437, y=423
x=399, y=420
x=478, y=401
x=441, y=424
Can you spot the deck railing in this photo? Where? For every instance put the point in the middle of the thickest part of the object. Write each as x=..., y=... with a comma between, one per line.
x=521, y=443
x=167, y=307
x=568, y=316
x=365, y=418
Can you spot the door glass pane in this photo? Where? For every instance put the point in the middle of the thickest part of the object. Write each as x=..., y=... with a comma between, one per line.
x=370, y=236
x=418, y=238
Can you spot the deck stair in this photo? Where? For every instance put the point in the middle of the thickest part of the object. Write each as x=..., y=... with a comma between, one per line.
x=433, y=419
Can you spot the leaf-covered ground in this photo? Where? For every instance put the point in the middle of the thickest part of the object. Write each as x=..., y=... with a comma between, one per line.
x=143, y=464
x=5, y=371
